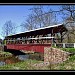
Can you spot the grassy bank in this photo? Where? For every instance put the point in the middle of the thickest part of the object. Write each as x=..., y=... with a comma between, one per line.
x=67, y=65
x=23, y=65
x=68, y=49
x=32, y=64
x=29, y=65
x=5, y=54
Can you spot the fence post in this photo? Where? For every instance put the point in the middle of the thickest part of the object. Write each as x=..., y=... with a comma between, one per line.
x=63, y=45
x=74, y=45
x=55, y=44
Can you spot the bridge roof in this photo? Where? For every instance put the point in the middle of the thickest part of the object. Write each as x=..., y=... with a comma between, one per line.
x=41, y=31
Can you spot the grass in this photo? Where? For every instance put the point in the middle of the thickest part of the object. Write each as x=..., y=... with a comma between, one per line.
x=66, y=49
x=5, y=54
x=23, y=65
x=69, y=49
x=28, y=64
x=67, y=65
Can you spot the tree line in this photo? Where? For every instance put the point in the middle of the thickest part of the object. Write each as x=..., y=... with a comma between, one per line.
x=40, y=18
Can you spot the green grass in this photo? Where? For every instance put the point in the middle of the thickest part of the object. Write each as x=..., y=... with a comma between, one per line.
x=68, y=49
x=23, y=65
x=5, y=54
x=28, y=64
x=67, y=65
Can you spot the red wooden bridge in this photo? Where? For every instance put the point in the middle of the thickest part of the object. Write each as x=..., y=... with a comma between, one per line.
x=29, y=47
x=22, y=41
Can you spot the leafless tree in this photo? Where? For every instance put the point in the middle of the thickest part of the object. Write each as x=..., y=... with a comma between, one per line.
x=29, y=24
x=43, y=18
x=69, y=20
x=8, y=28
x=39, y=18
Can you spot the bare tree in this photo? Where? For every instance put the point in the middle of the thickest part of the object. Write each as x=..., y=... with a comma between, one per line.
x=38, y=10
x=43, y=18
x=39, y=18
x=69, y=20
x=29, y=23
x=8, y=28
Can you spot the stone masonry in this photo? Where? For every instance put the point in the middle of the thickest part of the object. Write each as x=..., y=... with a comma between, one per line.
x=54, y=55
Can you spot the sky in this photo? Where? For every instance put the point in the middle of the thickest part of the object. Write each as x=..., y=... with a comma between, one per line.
x=18, y=14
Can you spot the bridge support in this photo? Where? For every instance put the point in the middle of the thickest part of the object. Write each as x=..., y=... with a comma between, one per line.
x=54, y=56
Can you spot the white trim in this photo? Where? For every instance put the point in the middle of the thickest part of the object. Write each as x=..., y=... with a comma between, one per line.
x=41, y=38
x=46, y=37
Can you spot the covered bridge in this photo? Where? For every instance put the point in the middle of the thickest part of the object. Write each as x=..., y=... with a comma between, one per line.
x=44, y=32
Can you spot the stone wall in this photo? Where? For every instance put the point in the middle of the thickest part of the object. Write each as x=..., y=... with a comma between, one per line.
x=54, y=55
